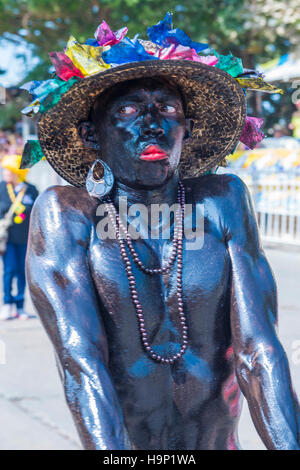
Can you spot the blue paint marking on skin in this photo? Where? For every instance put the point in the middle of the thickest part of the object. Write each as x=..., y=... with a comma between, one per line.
x=72, y=387
x=144, y=365
x=192, y=364
x=168, y=325
x=166, y=349
x=197, y=367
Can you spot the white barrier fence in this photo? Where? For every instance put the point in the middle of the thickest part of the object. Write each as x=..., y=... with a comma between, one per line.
x=276, y=199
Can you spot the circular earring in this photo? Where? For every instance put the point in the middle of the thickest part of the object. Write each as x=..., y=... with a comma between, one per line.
x=100, y=179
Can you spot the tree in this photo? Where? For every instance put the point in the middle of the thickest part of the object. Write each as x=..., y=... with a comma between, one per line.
x=255, y=30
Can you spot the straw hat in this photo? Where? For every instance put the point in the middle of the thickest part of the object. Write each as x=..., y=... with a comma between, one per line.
x=214, y=100
x=213, y=87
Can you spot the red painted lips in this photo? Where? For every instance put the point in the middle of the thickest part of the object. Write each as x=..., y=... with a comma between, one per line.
x=152, y=153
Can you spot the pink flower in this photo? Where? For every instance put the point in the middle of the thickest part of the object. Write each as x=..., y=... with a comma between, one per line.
x=180, y=52
x=64, y=67
x=106, y=37
x=252, y=135
x=208, y=59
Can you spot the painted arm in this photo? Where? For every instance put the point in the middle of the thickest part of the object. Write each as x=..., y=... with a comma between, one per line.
x=261, y=363
x=63, y=293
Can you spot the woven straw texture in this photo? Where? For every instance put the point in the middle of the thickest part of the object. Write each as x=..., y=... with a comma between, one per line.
x=215, y=102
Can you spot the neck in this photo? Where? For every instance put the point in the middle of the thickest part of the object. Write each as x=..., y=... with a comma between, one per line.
x=167, y=193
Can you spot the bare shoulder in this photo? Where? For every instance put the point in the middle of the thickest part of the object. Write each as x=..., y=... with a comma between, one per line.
x=65, y=200
x=227, y=201
x=221, y=187
x=61, y=221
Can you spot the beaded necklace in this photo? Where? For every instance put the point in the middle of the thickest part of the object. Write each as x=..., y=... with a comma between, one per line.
x=176, y=253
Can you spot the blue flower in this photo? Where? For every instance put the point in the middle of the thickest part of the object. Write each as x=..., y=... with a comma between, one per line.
x=163, y=34
x=92, y=42
x=126, y=51
x=40, y=89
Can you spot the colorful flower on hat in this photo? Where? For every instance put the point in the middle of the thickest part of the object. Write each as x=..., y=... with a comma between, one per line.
x=252, y=134
x=127, y=51
x=111, y=48
x=230, y=64
x=87, y=59
x=106, y=37
x=163, y=34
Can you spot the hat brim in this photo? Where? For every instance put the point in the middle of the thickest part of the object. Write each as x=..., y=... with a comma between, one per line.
x=214, y=101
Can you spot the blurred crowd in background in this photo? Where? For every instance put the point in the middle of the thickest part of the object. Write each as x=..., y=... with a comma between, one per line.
x=10, y=143
x=265, y=34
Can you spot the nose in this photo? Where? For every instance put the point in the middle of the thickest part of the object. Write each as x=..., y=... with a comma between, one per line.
x=152, y=132
x=151, y=126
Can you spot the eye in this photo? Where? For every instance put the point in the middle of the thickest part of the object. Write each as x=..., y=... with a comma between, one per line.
x=166, y=108
x=127, y=110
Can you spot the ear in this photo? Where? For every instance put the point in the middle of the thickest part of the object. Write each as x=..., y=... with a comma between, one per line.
x=87, y=133
x=189, y=124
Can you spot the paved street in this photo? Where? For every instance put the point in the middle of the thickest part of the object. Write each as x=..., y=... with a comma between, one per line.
x=32, y=408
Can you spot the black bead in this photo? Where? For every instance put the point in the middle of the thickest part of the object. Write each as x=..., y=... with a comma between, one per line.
x=177, y=250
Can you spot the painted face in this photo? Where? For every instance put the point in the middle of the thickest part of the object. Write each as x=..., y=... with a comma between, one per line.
x=140, y=128
x=9, y=177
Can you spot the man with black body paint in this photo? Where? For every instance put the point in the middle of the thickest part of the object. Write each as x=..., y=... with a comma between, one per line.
x=119, y=397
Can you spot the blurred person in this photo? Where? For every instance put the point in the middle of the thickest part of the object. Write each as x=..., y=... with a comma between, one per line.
x=14, y=180
x=2, y=137
x=295, y=121
x=152, y=355
x=4, y=144
x=279, y=131
x=12, y=144
x=19, y=143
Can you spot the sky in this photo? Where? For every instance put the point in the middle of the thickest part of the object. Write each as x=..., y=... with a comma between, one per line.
x=16, y=69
